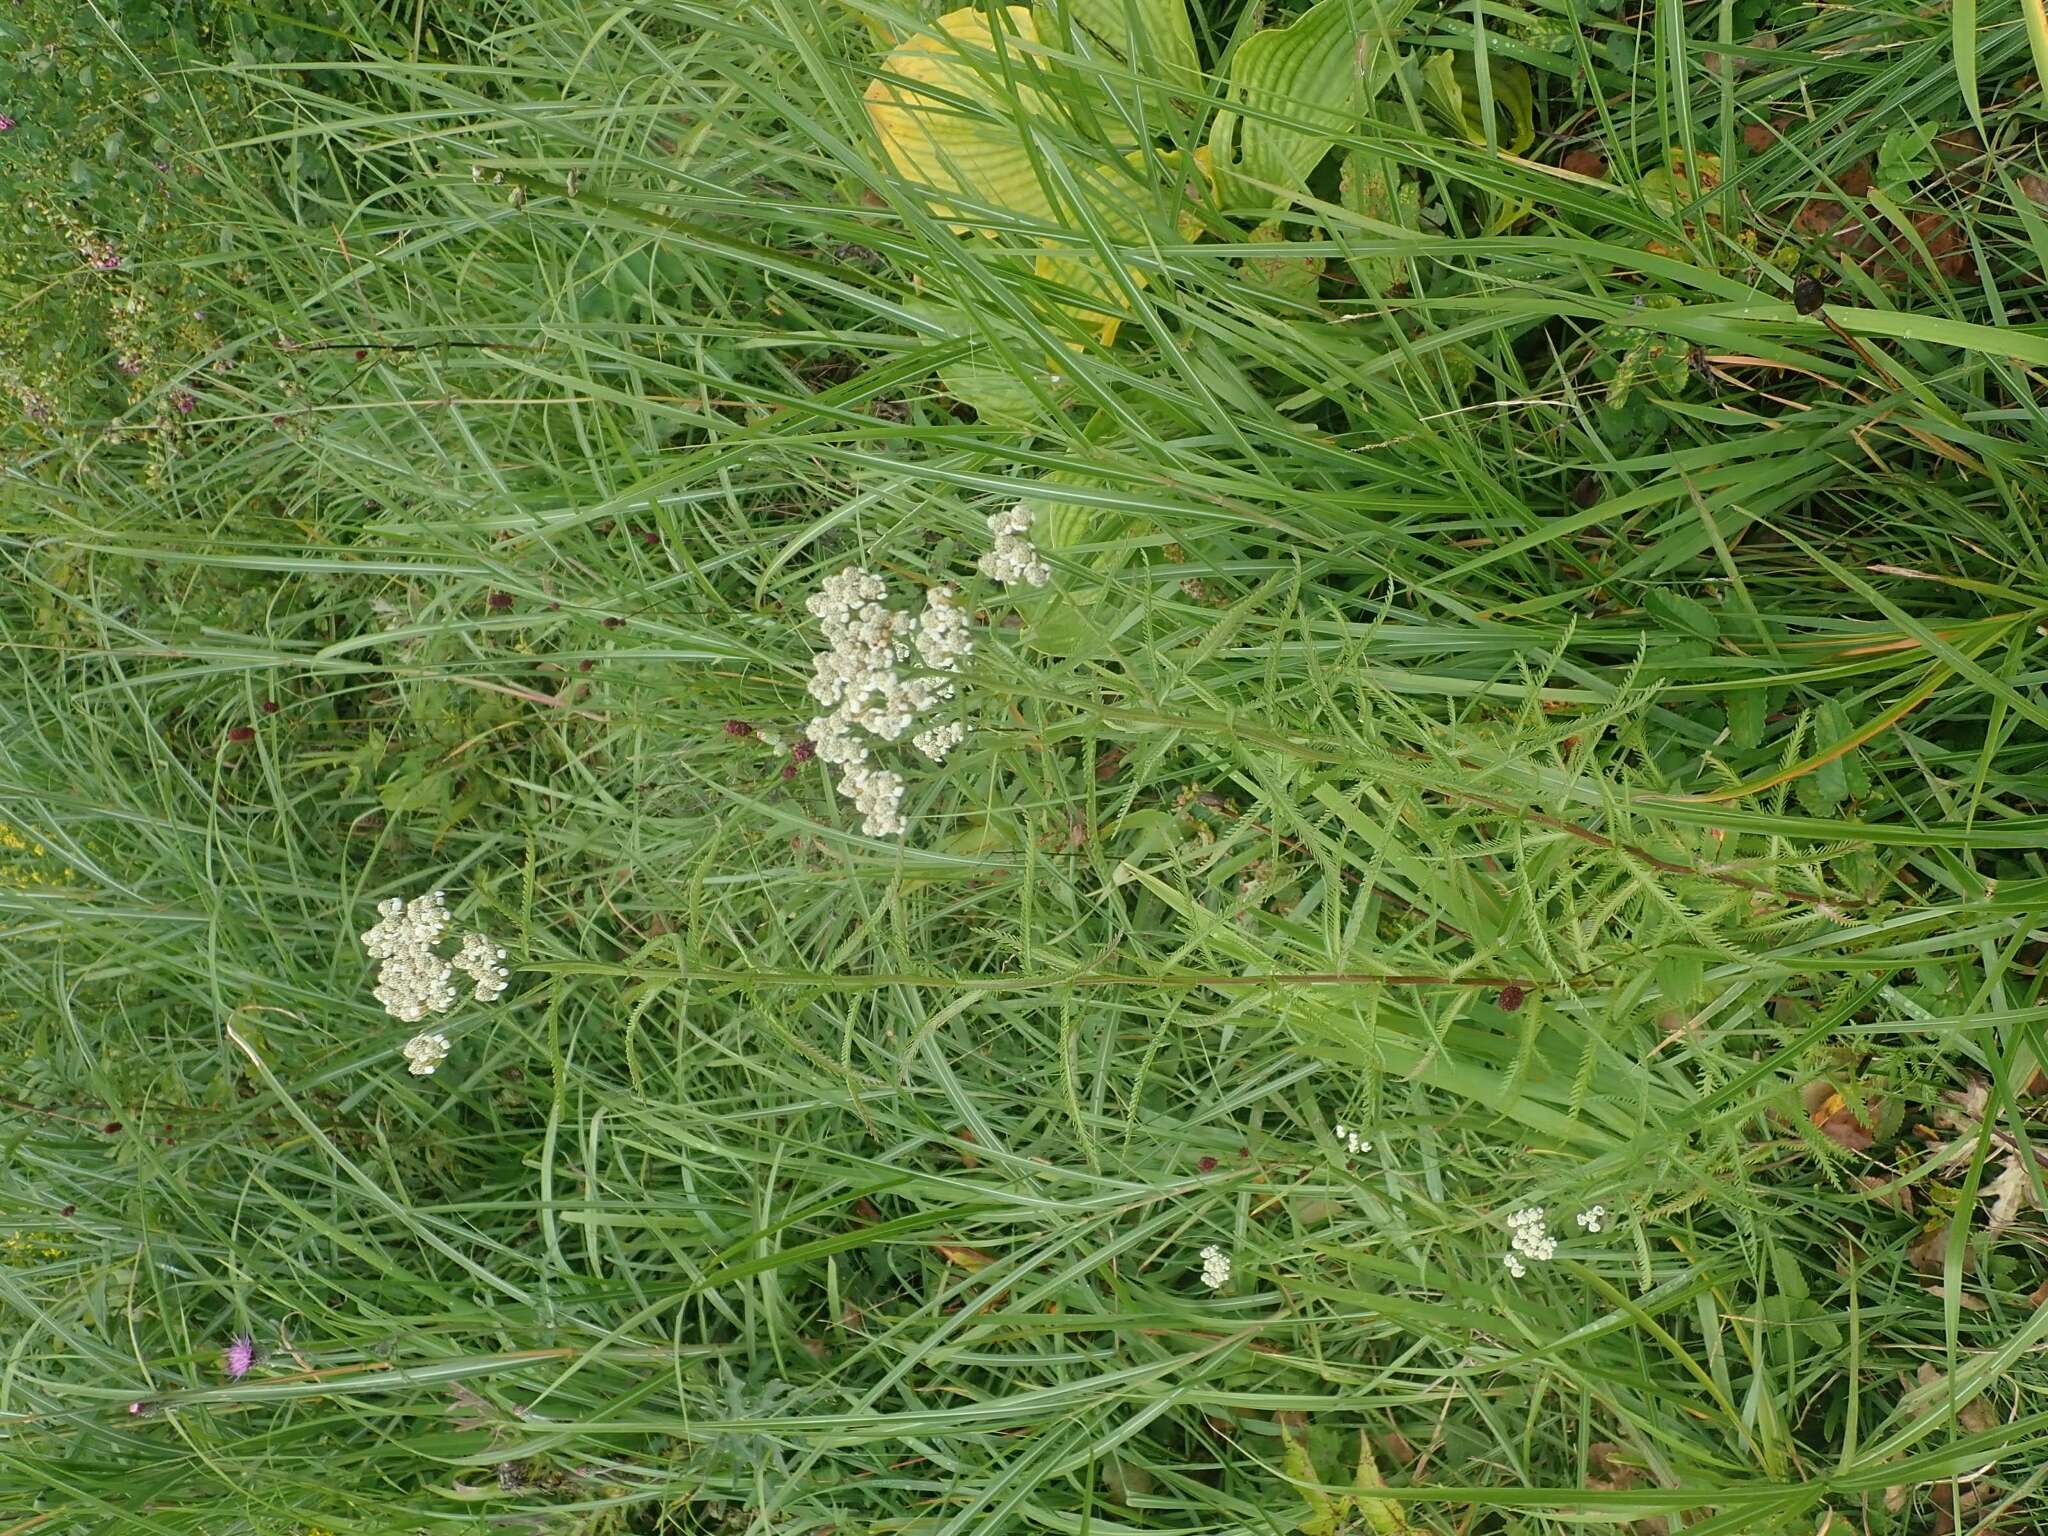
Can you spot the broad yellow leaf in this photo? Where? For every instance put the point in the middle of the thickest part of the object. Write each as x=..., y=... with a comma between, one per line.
x=976, y=146
x=1152, y=39
x=942, y=113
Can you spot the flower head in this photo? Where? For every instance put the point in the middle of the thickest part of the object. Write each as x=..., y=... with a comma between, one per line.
x=1353, y=1142
x=236, y=1359
x=1530, y=1238
x=1015, y=558
x=859, y=679
x=1593, y=1218
x=423, y=1053
x=1215, y=1267
x=478, y=960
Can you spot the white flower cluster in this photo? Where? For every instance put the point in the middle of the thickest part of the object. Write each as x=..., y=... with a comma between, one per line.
x=860, y=682
x=1215, y=1267
x=413, y=981
x=1531, y=1240
x=423, y=1053
x=478, y=960
x=1353, y=1142
x=1015, y=558
x=1593, y=1217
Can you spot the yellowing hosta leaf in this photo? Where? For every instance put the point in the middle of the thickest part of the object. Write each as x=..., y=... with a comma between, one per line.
x=1160, y=47
x=1294, y=89
x=941, y=113
x=973, y=144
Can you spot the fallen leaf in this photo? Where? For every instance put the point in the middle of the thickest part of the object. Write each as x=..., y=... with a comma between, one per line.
x=1886, y=1192
x=1836, y=1121
x=1925, y=1252
x=1614, y=1474
x=2011, y=1192
x=1585, y=162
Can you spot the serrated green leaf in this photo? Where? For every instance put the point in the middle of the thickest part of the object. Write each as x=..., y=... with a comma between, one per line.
x=1383, y=1515
x=1681, y=614
x=1372, y=188
x=1293, y=278
x=1324, y=1517
x=1746, y=715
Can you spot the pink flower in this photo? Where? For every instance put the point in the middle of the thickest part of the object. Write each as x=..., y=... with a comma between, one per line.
x=238, y=1357
x=6, y=123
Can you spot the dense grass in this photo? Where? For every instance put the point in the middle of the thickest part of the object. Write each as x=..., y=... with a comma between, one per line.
x=1624, y=792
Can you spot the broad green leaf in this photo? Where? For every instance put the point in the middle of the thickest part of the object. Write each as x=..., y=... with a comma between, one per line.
x=1746, y=719
x=1324, y=1517
x=1681, y=614
x=1293, y=90
x=1383, y=1515
x=1373, y=189
x=1451, y=84
x=1152, y=37
x=1293, y=278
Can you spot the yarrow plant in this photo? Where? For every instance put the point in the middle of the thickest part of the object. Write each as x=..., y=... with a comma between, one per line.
x=861, y=681
x=1215, y=1267
x=1530, y=1240
x=1015, y=559
x=413, y=981
x=1593, y=1218
x=1353, y=1142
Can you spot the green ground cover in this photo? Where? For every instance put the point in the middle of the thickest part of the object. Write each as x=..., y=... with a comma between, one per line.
x=1536, y=700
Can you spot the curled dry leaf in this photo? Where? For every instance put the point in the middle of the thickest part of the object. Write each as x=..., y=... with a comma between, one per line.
x=2011, y=1192
x=1834, y=1119
x=1612, y=1472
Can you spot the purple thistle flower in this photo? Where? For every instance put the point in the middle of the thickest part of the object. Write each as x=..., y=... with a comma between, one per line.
x=6, y=123
x=238, y=1357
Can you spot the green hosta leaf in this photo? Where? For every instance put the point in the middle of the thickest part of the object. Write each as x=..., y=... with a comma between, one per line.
x=1451, y=83
x=1372, y=188
x=1293, y=278
x=1153, y=37
x=1294, y=89
x=996, y=392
